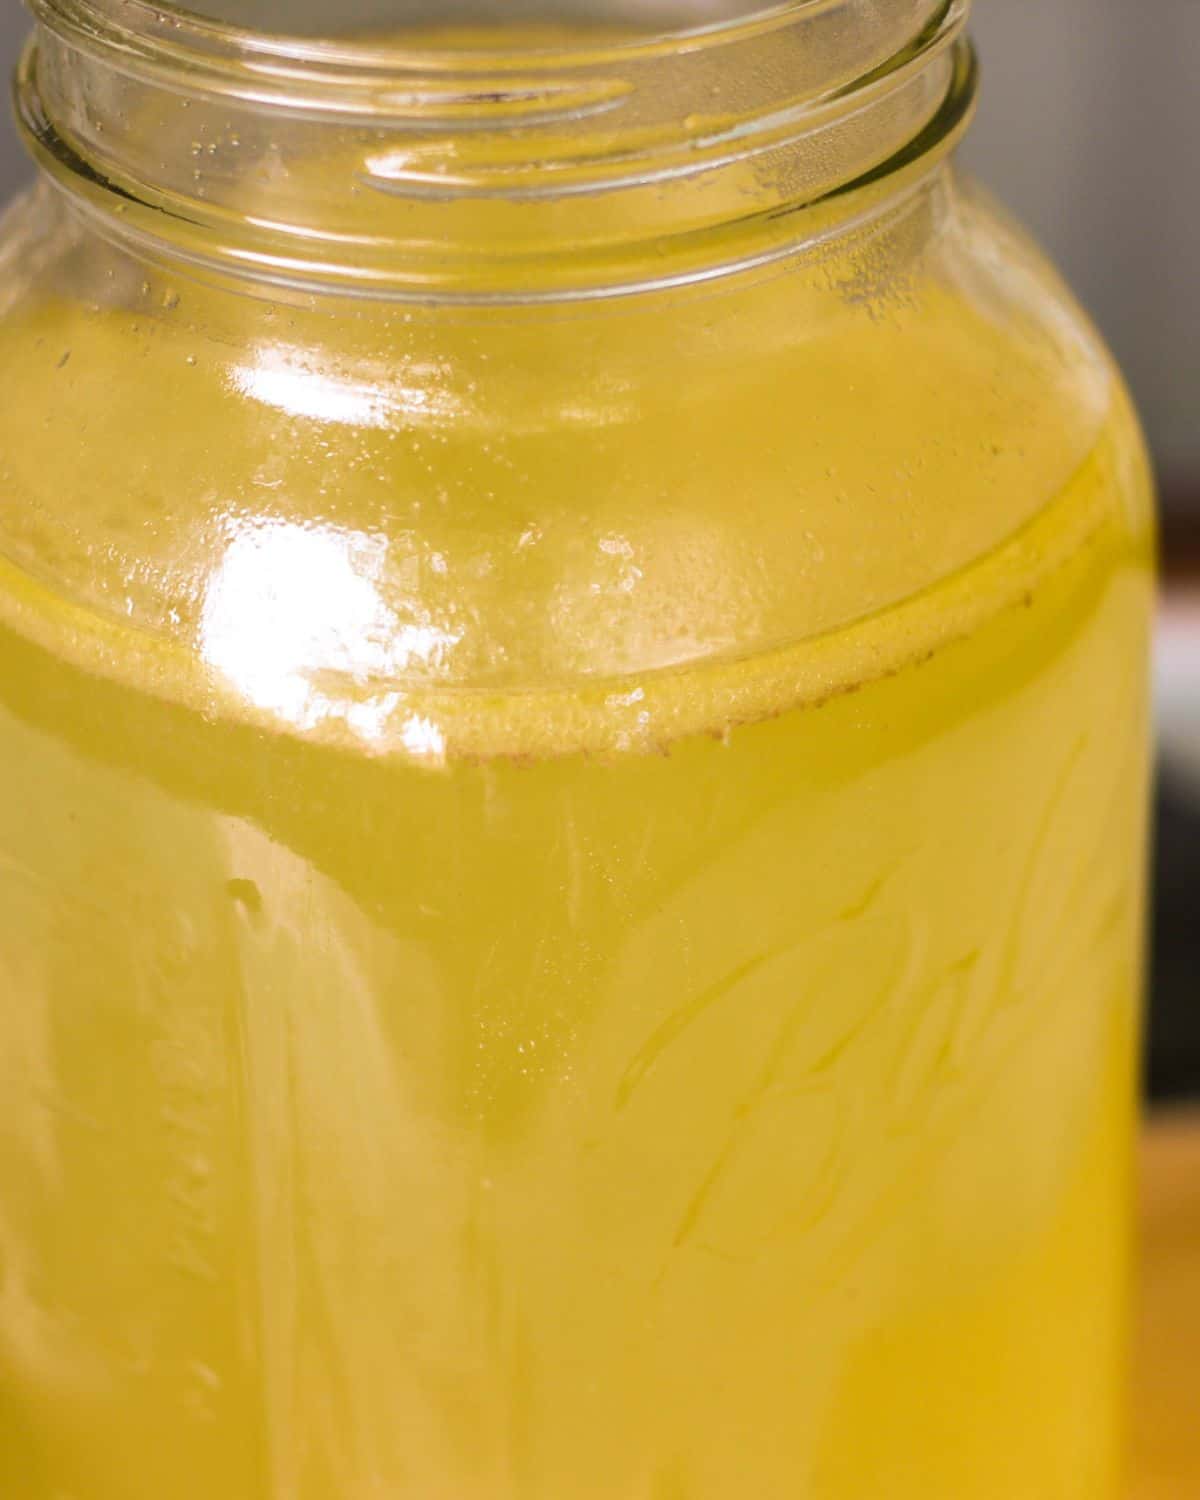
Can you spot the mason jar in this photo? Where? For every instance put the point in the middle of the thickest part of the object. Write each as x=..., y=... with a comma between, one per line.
x=573, y=742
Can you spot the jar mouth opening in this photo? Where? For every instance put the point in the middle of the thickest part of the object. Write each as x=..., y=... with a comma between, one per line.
x=627, y=32
x=533, y=38
x=537, y=34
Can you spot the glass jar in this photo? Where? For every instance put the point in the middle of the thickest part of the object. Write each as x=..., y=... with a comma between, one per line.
x=573, y=630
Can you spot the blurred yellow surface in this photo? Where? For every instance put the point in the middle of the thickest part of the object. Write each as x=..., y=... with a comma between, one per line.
x=1167, y=1410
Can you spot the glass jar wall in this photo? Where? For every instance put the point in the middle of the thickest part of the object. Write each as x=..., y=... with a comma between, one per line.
x=573, y=613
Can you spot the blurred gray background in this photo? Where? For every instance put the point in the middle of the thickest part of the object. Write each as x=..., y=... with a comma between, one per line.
x=1089, y=128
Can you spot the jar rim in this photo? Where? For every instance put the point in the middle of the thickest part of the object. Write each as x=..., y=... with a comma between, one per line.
x=454, y=169
x=173, y=31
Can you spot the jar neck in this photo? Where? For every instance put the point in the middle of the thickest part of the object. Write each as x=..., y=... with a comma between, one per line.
x=501, y=165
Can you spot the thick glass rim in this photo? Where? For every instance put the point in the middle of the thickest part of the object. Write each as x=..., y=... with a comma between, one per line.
x=180, y=31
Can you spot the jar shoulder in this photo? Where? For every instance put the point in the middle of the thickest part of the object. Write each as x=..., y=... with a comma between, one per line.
x=508, y=496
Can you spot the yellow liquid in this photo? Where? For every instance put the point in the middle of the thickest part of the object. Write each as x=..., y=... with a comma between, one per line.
x=707, y=1082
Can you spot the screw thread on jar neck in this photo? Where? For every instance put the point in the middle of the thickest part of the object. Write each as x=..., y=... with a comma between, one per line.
x=491, y=163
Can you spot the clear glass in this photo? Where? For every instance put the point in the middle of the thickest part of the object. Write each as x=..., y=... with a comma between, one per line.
x=573, y=630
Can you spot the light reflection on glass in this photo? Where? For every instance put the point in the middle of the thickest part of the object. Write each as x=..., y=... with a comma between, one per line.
x=287, y=380
x=295, y=620
x=407, y=392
